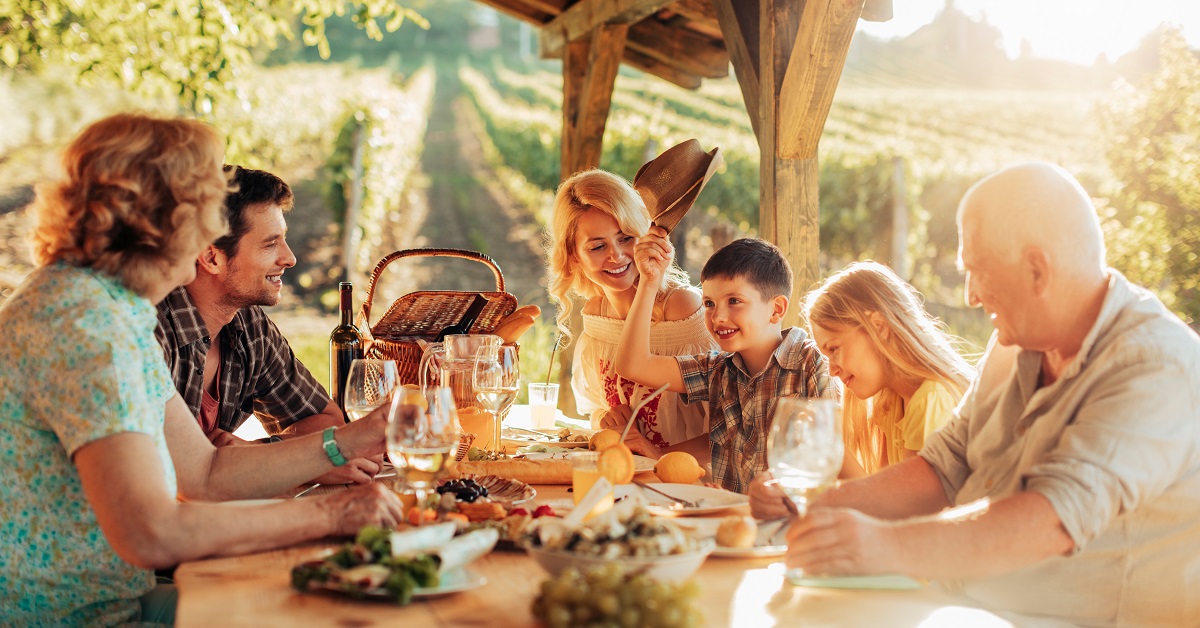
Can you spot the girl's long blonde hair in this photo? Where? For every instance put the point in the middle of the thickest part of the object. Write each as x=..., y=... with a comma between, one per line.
x=605, y=192
x=916, y=347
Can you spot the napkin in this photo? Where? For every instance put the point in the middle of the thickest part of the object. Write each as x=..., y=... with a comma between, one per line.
x=466, y=548
x=420, y=539
x=887, y=581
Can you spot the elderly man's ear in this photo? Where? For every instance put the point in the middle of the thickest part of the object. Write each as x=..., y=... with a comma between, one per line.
x=1036, y=265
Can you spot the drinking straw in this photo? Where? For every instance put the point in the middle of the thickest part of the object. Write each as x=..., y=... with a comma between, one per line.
x=645, y=400
x=553, y=351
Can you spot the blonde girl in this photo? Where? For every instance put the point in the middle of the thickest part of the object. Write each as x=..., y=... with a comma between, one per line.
x=598, y=217
x=901, y=374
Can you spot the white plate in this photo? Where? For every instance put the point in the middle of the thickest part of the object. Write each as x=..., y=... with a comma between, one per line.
x=453, y=582
x=770, y=542
x=640, y=463
x=710, y=499
x=549, y=437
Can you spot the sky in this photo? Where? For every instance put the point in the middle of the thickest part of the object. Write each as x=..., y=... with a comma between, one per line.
x=1069, y=30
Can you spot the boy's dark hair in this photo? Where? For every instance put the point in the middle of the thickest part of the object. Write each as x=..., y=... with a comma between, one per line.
x=758, y=262
x=251, y=188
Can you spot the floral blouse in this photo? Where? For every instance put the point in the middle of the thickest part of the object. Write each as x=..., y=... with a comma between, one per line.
x=78, y=363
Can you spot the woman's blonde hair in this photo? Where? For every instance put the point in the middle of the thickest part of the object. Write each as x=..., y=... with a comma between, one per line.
x=605, y=192
x=136, y=193
x=916, y=346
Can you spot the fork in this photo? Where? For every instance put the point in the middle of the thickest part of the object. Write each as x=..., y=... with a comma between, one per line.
x=682, y=502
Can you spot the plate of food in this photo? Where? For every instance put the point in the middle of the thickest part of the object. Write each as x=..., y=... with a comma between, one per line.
x=471, y=488
x=558, y=437
x=640, y=463
x=398, y=566
x=704, y=500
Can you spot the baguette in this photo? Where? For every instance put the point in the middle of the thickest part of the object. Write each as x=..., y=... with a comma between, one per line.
x=528, y=310
x=528, y=471
x=513, y=326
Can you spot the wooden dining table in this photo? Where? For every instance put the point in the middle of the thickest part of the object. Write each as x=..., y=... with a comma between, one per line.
x=255, y=590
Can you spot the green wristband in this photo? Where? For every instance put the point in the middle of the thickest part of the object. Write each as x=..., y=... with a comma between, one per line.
x=331, y=449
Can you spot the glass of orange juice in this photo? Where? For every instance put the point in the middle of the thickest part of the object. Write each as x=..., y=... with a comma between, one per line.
x=584, y=473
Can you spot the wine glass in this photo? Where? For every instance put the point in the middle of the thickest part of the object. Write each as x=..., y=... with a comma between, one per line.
x=369, y=384
x=804, y=450
x=421, y=438
x=496, y=381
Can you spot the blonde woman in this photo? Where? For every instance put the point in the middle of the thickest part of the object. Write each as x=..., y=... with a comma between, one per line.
x=597, y=220
x=106, y=475
x=900, y=372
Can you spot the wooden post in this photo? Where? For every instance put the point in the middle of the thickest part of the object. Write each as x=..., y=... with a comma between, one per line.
x=351, y=236
x=590, y=65
x=788, y=58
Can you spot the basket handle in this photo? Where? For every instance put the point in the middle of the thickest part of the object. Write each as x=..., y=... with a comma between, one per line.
x=426, y=252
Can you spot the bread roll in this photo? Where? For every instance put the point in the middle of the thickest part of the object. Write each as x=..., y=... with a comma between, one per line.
x=528, y=471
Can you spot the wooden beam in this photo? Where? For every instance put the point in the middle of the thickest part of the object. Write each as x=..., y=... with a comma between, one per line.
x=789, y=210
x=680, y=48
x=536, y=12
x=813, y=68
x=739, y=25
x=589, y=72
x=585, y=16
x=877, y=10
x=667, y=73
x=695, y=10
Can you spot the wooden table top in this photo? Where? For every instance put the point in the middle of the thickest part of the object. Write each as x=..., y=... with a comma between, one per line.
x=255, y=590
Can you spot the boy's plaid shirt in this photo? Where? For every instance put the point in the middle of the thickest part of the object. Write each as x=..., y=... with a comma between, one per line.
x=740, y=403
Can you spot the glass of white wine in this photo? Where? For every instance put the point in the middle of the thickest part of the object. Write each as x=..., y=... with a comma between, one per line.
x=496, y=379
x=370, y=384
x=421, y=438
x=804, y=451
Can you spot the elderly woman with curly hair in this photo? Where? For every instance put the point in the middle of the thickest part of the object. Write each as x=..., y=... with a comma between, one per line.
x=598, y=218
x=105, y=475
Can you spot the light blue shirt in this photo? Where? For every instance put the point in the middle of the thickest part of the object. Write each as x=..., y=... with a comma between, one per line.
x=1114, y=445
x=78, y=362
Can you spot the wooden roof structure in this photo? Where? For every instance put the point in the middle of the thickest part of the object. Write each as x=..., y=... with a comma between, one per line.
x=787, y=55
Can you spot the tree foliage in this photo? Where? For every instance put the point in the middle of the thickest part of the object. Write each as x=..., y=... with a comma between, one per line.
x=1154, y=152
x=191, y=49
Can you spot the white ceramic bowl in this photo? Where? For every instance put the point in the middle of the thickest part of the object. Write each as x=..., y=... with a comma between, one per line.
x=673, y=568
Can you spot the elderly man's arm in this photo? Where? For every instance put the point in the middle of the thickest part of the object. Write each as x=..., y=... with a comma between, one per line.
x=1012, y=533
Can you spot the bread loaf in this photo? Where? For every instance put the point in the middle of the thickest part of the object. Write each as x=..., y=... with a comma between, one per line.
x=513, y=327
x=555, y=471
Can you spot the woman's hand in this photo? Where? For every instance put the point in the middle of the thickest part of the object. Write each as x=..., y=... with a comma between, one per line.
x=766, y=498
x=616, y=417
x=351, y=509
x=653, y=255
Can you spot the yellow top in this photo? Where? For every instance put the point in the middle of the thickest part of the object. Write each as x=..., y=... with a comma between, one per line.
x=931, y=407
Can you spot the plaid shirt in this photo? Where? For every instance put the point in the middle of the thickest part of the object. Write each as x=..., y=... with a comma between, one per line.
x=258, y=373
x=740, y=403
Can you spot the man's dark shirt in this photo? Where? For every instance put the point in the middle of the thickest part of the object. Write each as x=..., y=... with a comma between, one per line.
x=258, y=374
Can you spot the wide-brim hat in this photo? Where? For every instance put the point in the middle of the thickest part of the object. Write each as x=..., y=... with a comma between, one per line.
x=670, y=183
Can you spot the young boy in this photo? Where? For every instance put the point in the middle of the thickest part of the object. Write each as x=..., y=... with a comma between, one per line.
x=745, y=295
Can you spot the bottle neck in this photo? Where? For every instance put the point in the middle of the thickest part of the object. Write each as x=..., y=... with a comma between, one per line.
x=346, y=308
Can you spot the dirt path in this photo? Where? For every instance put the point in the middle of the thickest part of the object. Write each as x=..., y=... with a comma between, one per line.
x=453, y=203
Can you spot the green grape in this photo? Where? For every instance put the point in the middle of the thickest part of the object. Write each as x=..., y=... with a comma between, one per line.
x=558, y=617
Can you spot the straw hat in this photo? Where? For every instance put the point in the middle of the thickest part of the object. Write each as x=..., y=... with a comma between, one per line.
x=670, y=183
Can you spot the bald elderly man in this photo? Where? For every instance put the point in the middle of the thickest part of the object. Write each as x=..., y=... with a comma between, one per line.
x=1081, y=432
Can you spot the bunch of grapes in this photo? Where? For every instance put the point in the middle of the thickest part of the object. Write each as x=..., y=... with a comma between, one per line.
x=607, y=595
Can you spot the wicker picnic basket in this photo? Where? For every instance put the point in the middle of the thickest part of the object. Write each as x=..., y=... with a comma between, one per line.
x=421, y=315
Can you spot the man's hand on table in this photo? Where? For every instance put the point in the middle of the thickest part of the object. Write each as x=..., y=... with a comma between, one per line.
x=766, y=499
x=374, y=504
x=356, y=471
x=842, y=542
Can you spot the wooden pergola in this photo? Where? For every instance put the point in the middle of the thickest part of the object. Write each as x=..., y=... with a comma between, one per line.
x=787, y=55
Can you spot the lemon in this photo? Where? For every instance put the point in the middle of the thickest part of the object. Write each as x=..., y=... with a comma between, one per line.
x=603, y=440
x=616, y=464
x=413, y=396
x=678, y=467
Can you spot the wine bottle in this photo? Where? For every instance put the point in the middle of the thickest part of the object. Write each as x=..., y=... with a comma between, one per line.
x=463, y=326
x=345, y=346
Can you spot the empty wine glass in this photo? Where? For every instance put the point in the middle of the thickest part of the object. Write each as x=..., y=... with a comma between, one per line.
x=421, y=438
x=496, y=378
x=369, y=384
x=804, y=450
